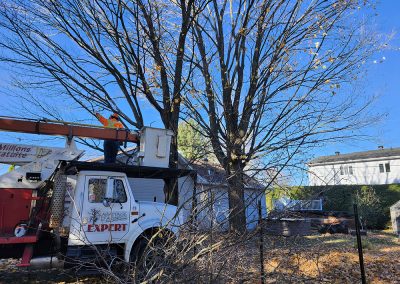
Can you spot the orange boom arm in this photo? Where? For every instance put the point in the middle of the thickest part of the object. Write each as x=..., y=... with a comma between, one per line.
x=50, y=127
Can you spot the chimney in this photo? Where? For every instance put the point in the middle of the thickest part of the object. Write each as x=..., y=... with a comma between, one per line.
x=337, y=153
x=380, y=147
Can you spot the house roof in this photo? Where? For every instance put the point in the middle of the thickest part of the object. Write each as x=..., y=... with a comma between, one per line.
x=130, y=170
x=373, y=154
x=214, y=174
x=100, y=159
x=208, y=173
x=211, y=172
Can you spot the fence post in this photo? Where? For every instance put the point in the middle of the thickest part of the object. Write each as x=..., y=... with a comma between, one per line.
x=359, y=245
x=261, y=242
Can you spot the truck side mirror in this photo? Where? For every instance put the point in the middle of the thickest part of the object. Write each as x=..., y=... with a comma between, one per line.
x=106, y=202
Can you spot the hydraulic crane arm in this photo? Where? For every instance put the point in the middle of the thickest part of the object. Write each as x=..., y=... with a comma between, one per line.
x=50, y=127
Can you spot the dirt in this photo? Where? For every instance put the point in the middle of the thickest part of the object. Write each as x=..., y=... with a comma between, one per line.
x=10, y=273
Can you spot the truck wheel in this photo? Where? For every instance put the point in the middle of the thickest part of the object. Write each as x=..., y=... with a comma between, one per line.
x=148, y=260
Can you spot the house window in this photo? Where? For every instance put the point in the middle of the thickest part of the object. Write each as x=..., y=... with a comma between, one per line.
x=346, y=170
x=381, y=169
x=387, y=167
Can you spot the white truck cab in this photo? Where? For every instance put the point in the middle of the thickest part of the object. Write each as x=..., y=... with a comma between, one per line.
x=102, y=210
x=100, y=206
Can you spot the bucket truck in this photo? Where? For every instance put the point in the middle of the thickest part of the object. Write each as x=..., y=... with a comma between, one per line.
x=55, y=208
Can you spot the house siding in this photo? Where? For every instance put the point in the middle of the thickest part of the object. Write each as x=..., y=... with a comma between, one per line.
x=147, y=189
x=214, y=207
x=363, y=172
x=185, y=186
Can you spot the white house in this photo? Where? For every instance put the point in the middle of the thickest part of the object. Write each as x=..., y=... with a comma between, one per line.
x=211, y=192
x=380, y=166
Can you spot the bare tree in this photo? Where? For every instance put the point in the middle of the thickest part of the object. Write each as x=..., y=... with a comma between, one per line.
x=112, y=55
x=275, y=80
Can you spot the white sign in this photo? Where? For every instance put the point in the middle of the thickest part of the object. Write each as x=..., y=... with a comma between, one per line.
x=21, y=154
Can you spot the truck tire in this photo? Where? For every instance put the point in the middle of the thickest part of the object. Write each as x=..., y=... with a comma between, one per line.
x=148, y=259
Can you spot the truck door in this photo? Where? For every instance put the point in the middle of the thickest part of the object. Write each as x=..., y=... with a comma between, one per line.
x=106, y=213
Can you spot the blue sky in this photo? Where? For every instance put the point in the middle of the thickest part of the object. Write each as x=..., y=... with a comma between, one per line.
x=382, y=80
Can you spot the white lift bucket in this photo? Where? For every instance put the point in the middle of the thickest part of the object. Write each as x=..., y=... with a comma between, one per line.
x=154, y=147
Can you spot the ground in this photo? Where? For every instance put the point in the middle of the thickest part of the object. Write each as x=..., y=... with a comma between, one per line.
x=311, y=259
x=334, y=259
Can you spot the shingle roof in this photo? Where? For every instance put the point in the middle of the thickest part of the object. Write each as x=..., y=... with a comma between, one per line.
x=207, y=172
x=211, y=172
x=380, y=153
x=215, y=174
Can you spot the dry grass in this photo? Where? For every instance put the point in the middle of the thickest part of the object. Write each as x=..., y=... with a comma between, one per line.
x=334, y=259
x=311, y=259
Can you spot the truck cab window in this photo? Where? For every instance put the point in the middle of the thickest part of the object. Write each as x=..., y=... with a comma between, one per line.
x=119, y=194
x=97, y=190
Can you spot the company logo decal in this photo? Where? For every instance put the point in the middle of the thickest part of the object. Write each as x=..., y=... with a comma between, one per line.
x=106, y=227
x=98, y=215
x=14, y=151
x=21, y=152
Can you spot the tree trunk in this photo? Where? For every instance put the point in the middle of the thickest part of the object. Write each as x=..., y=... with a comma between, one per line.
x=237, y=215
x=171, y=190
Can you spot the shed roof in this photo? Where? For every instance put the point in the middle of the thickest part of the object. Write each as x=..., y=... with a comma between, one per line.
x=130, y=171
x=214, y=174
x=372, y=154
x=208, y=173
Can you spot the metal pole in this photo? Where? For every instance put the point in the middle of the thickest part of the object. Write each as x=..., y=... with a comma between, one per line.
x=359, y=245
x=260, y=225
